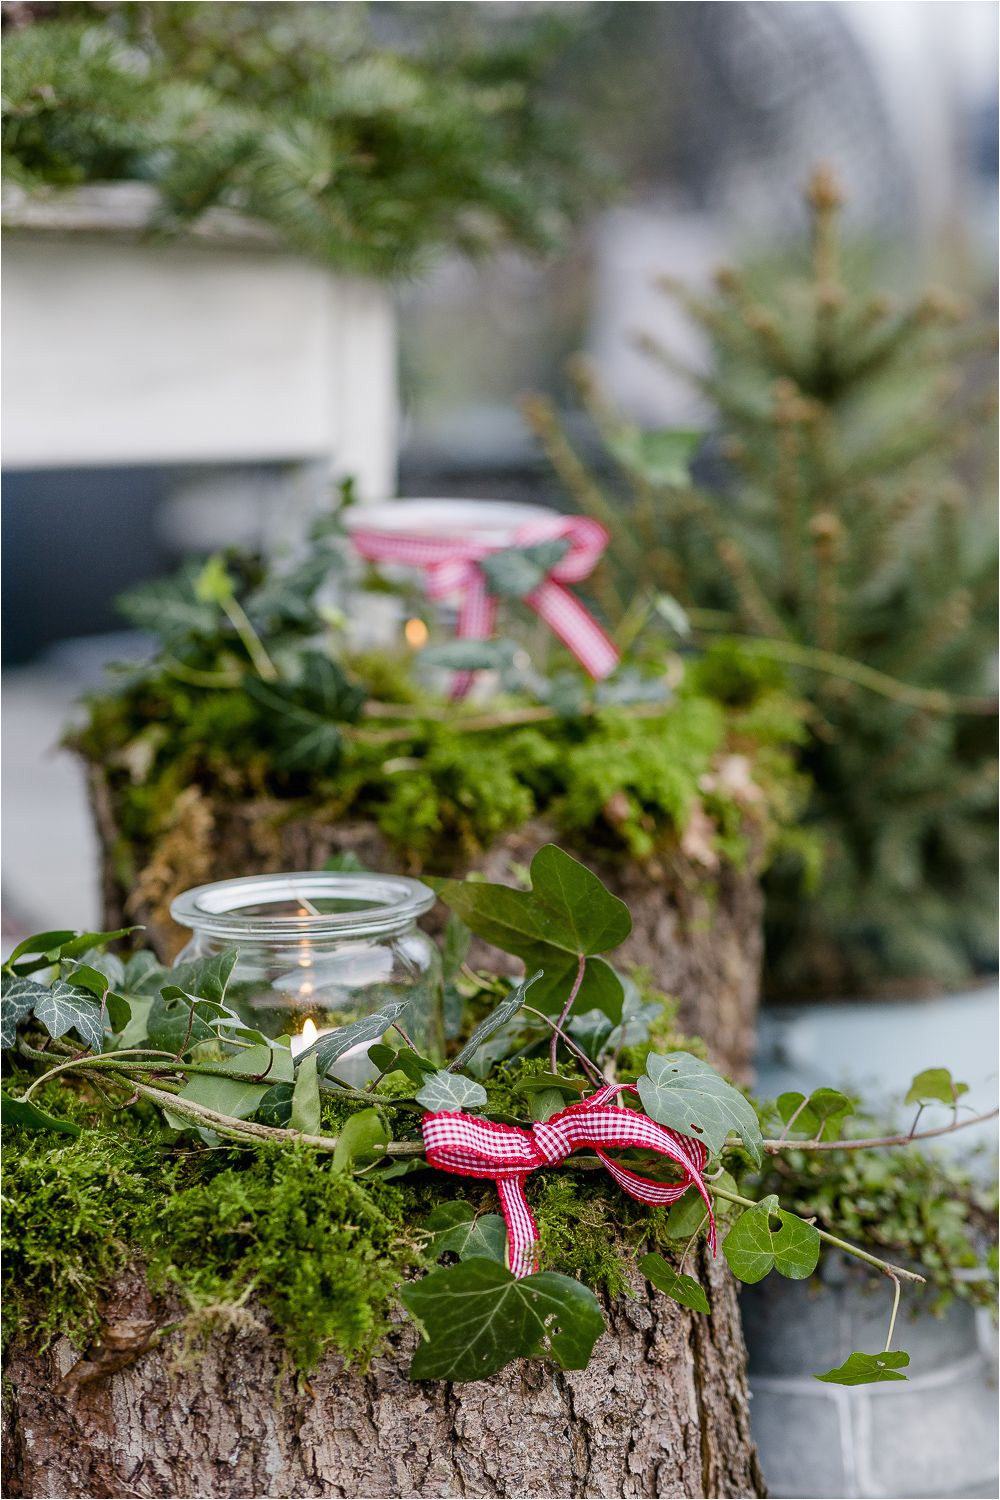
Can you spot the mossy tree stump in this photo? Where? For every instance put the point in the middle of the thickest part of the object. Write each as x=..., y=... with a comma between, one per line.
x=662, y=1410
x=697, y=930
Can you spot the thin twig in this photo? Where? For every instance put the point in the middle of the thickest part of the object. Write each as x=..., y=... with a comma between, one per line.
x=589, y=1067
x=884, y=1266
x=871, y=1142
x=581, y=969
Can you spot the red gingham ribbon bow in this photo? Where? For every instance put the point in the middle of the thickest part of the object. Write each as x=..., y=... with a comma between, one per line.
x=471, y=1147
x=452, y=566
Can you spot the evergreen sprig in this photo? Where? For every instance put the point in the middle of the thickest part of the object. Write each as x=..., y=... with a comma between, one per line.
x=359, y=154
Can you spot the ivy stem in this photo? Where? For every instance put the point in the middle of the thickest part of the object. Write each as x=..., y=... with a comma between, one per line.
x=592, y=1071
x=895, y=1309
x=99, y=1060
x=240, y=621
x=830, y=664
x=884, y=1266
x=870, y=1142
x=249, y=1129
x=564, y=1015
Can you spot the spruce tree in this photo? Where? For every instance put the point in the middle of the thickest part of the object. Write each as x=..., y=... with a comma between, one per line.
x=842, y=524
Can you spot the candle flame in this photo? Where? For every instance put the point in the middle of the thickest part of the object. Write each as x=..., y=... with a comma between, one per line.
x=309, y=1032
x=415, y=632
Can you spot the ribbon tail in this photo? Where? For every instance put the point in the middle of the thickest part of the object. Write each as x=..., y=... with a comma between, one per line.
x=576, y=628
x=475, y=623
x=648, y=1191
x=522, y=1231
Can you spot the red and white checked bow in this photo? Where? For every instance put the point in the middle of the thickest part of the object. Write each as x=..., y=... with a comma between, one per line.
x=452, y=567
x=470, y=1147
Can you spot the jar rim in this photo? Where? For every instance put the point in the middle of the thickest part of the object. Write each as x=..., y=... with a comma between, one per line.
x=392, y=902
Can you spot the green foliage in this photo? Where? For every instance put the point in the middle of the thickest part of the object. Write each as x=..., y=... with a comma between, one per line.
x=476, y=1316
x=756, y=1244
x=249, y=697
x=688, y=1095
x=559, y=926
x=683, y=1289
x=358, y=154
x=912, y=1206
x=173, y=1167
x=847, y=531
x=868, y=1369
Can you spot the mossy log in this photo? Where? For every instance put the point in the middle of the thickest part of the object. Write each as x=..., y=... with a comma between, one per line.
x=698, y=931
x=661, y=1411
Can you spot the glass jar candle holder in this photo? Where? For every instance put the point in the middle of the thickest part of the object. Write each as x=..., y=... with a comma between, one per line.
x=318, y=950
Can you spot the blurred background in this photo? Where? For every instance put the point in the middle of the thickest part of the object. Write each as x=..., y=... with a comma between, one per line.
x=180, y=377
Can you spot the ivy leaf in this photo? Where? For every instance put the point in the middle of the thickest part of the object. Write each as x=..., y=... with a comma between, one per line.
x=541, y=1082
x=822, y=1108
x=368, y=1029
x=455, y=948
x=275, y=1107
x=304, y=716
x=686, y=1216
x=868, y=1369
x=515, y=572
x=753, y=1248
x=233, y=1096
x=305, y=1099
x=470, y=656
x=446, y=1090
x=44, y=949
x=65, y=1007
x=178, y=1021
x=171, y=608
x=935, y=1085
x=362, y=1138
x=545, y=1103
x=568, y=915
x=136, y=1030
x=683, y=1289
x=401, y=1060
x=138, y=969
x=203, y=978
x=689, y=1096
x=660, y=455
x=18, y=998
x=87, y=978
x=476, y=1317
x=498, y=1016
x=118, y=1010
x=27, y=1115
x=456, y=1227
x=108, y=964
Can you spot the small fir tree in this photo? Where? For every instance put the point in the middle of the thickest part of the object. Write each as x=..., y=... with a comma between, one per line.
x=846, y=528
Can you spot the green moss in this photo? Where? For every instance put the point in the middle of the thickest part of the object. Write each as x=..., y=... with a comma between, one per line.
x=624, y=781
x=323, y=1253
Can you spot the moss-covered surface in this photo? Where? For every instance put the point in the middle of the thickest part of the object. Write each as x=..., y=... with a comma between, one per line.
x=628, y=781
x=322, y=1251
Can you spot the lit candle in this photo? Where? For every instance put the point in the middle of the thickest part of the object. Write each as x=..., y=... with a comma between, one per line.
x=310, y=1033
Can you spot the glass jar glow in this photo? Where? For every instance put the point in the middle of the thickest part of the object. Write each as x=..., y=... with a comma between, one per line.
x=317, y=950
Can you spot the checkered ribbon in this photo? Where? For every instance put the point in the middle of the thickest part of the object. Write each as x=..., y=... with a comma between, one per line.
x=451, y=565
x=470, y=1147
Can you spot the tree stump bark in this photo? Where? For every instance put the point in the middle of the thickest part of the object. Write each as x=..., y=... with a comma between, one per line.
x=661, y=1411
x=698, y=932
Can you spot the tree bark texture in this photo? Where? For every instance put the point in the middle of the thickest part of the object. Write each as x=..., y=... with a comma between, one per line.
x=698, y=931
x=661, y=1411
